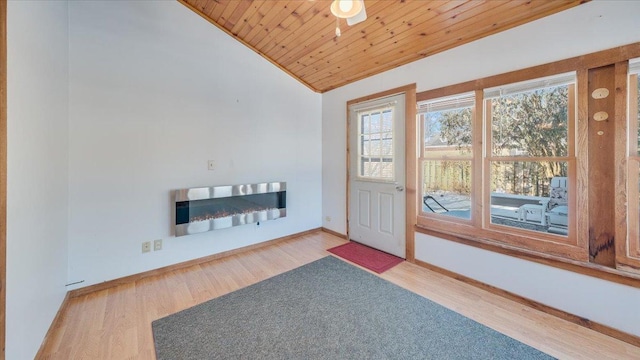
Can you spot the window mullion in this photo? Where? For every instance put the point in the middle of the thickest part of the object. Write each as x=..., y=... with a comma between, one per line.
x=477, y=161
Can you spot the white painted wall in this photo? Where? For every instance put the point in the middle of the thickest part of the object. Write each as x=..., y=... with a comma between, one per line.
x=565, y=290
x=37, y=170
x=155, y=92
x=590, y=27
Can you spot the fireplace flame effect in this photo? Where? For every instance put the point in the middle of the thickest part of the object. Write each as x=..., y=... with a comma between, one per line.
x=202, y=209
x=226, y=213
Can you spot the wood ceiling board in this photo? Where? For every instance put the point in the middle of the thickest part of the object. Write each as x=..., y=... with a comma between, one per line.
x=390, y=57
x=283, y=30
x=357, y=33
x=208, y=7
x=243, y=6
x=298, y=36
x=389, y=53
x=253, y=15
x=229, y=8
x=319, y=37
x=394, y=30
x=415, y=41
x=267, y=21
x=366, y=49
x=312, y=19
x=294, y=15
x=216, y=9
x=390, y=46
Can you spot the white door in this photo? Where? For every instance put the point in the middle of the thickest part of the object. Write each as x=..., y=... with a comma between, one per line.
x=376, y=174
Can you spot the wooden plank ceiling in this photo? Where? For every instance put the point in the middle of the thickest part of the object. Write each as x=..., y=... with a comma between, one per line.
x=299, y=35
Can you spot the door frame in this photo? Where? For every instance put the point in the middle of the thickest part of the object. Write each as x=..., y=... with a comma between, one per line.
x=411, y=158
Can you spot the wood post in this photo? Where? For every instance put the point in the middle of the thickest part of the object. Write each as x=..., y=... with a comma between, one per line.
x=601, y=122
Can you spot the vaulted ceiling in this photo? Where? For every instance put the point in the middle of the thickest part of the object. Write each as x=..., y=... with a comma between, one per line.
x=299, y=35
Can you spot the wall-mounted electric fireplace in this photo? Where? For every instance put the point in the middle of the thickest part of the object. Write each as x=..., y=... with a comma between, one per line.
x=217, y=207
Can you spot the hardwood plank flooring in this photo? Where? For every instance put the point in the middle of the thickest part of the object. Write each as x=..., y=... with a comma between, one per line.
x=115, y=323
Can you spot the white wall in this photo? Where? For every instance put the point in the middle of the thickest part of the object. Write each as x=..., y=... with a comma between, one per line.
x=565, y=290
x=155, y=92
x=37, y=199
x=590, y=27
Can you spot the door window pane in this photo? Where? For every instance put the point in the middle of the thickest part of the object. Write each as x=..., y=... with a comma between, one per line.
x=375, y=150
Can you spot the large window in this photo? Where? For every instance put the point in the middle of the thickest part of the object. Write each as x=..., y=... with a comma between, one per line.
x=529, y=154
x=504, y=170
x=542, y=162
x=446, y=155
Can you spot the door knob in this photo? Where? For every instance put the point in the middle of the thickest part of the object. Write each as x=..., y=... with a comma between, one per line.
x=399, y=188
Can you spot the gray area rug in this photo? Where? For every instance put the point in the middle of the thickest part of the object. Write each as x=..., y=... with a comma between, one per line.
x=328, y=309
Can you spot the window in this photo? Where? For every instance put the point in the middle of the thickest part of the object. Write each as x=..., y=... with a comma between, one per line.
x=547, y=168
x=499, y=163
x=446, y=155
x=375, y=148
x=529, y=154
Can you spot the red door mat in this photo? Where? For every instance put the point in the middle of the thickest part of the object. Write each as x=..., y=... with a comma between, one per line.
x=370, y=258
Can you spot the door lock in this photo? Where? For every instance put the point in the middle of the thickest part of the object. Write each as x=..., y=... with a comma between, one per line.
x=399, y=188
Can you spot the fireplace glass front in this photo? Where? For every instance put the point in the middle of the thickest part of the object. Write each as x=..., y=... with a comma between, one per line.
x=210, y=208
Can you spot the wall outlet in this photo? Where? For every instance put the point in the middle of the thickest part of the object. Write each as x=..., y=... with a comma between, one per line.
x=327, y=218
x=211, y=165
x=146, y=246
x=157, y=245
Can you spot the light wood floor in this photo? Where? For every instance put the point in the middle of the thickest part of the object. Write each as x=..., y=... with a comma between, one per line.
x=116, y=323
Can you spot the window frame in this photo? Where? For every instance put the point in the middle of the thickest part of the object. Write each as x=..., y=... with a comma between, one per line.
x=576, y=259
x=570, y=159
x=422, y=157
x=480, y=226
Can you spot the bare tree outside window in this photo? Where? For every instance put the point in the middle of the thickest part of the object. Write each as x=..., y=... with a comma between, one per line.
x=529, y=125
x=528, y=160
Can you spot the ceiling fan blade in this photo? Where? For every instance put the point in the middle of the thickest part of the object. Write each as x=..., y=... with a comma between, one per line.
x=359, y=17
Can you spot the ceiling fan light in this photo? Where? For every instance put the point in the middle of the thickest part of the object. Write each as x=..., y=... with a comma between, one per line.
x=345, y=9
x=345, y=5
x=359, y=17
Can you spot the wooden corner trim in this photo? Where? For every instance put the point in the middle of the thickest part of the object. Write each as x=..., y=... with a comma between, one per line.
x=603, y=329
